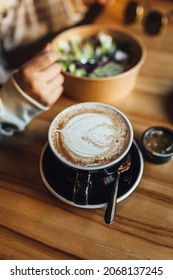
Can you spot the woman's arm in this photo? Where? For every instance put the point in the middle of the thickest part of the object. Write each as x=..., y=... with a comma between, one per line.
x=32, y=89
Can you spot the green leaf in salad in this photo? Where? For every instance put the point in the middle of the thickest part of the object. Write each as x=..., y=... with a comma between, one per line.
x=107, y=70
x=81, y=72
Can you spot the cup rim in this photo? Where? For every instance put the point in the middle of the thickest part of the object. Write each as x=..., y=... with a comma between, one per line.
x=91, y=168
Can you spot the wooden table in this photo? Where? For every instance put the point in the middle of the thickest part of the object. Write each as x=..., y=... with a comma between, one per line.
x=36, y=225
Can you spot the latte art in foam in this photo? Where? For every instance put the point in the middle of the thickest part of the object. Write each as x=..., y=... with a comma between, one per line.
x=90, y=136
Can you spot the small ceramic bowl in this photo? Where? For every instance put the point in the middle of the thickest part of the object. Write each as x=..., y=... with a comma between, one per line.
x=157, y=144
x=104, y=89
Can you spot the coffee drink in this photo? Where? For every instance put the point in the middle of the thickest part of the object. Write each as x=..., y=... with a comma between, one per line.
x=90, y=135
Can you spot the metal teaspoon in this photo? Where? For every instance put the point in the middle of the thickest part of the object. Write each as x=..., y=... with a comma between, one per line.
x=112, y=204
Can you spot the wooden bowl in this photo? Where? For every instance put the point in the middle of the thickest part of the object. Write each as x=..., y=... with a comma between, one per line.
x=106, y=89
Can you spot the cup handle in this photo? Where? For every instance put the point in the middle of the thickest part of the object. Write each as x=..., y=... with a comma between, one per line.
x=82, y=186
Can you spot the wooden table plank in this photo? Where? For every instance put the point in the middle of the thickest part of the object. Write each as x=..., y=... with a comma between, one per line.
x=36, y=225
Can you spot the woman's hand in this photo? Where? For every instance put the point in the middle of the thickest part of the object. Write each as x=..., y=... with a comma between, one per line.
x=41, y=78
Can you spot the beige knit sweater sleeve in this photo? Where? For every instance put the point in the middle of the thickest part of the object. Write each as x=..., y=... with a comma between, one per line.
x=17, y=109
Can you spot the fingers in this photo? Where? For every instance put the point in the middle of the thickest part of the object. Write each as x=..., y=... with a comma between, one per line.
x=55, y=95
x=41, y=78
x=51, y=72
x=43, y=60
x=47, y=47
x=55, y=83
x=51, y=90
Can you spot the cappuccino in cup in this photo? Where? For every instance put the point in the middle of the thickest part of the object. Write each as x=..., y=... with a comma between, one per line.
x=90, y=136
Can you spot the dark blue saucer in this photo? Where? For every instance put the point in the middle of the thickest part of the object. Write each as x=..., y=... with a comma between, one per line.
x=59, y=179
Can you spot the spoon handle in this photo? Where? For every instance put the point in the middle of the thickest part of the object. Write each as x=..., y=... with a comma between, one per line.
x=111, y=208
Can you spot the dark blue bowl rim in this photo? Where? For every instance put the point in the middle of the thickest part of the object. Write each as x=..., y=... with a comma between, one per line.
x=153, y=153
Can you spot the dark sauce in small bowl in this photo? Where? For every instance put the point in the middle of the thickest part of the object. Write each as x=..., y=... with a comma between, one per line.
x=157, y=144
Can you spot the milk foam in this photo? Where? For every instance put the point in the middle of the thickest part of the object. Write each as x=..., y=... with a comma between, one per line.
x=91, y=137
